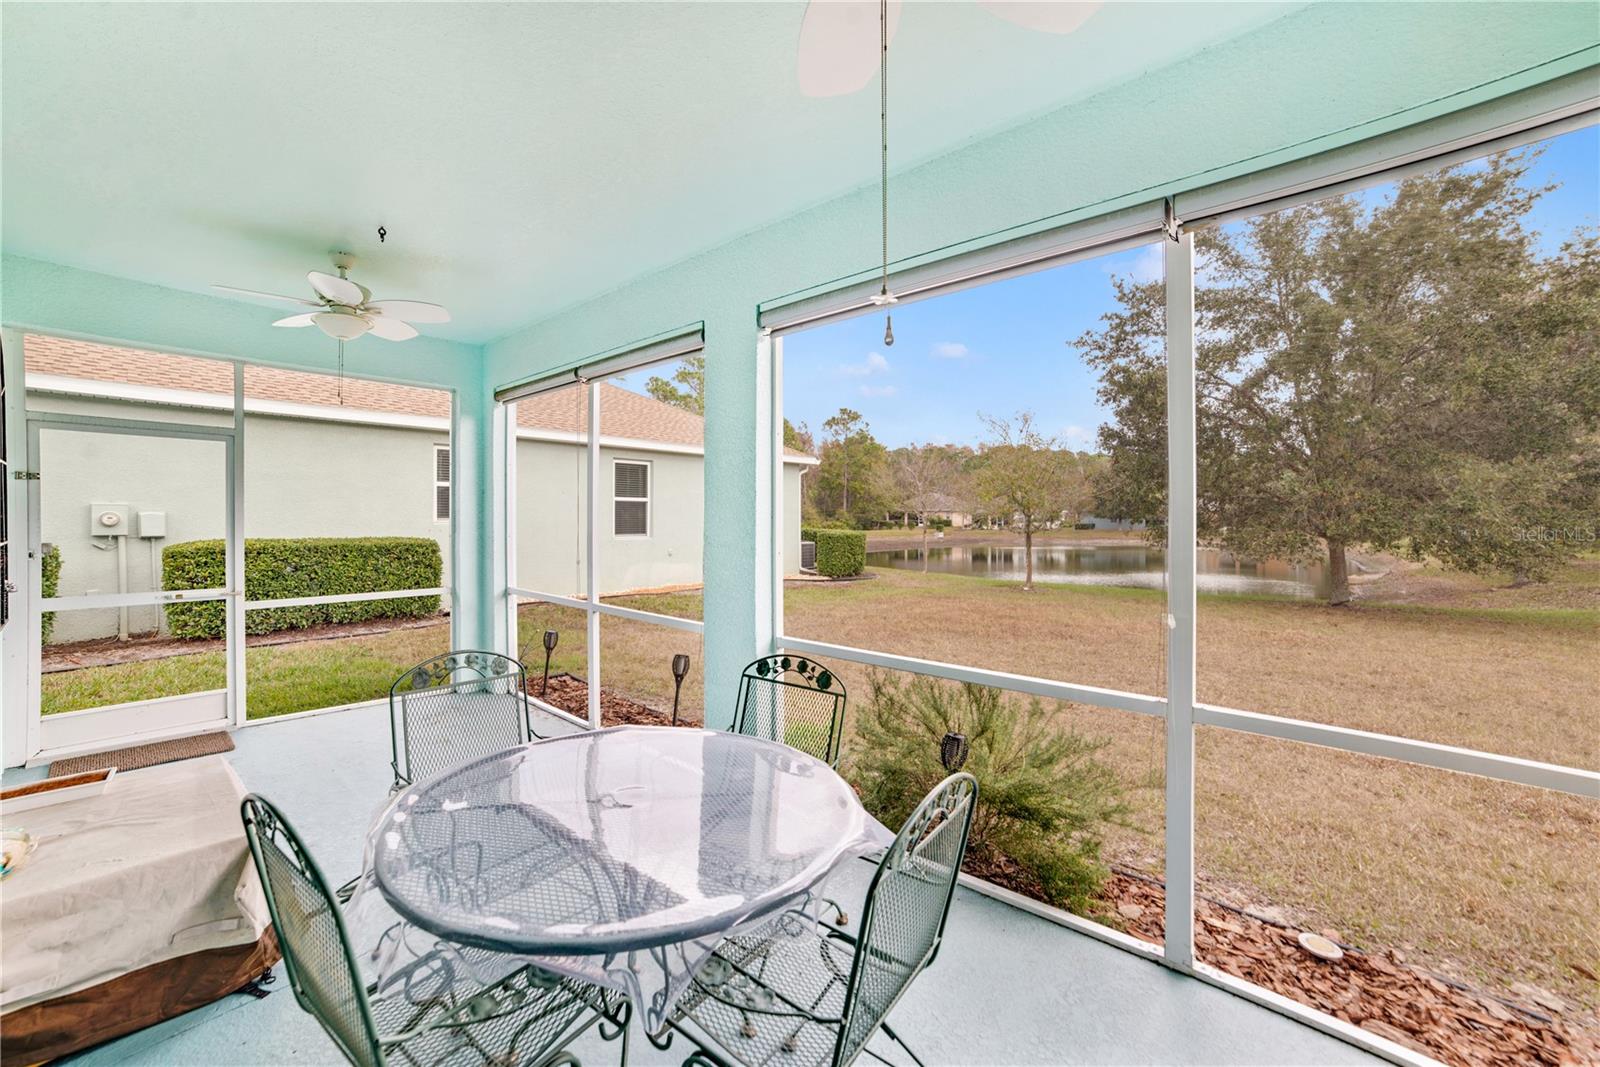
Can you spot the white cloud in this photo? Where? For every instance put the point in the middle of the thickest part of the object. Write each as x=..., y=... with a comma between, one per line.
x=1077, y=437
x=951, y=350
x=873, y=364
x=1149, y=266
x=878, y=390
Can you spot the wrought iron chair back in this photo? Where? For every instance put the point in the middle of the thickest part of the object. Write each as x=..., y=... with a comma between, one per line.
x=794, y=700
x=902, y=921
x=454, y=708
x=311, y=933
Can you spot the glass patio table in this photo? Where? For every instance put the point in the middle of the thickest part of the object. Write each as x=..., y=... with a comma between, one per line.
x=619, y=856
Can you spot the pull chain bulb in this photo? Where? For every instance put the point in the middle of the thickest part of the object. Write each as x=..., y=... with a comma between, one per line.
x=888, y=331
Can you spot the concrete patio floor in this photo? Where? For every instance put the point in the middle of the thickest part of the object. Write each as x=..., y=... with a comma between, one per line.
x=1008, y=987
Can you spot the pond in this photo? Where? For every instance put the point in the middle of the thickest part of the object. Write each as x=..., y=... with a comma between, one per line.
x=1138, y=565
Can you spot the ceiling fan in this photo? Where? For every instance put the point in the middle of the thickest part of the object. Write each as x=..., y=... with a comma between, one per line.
x=839, y=52
x=346, y=309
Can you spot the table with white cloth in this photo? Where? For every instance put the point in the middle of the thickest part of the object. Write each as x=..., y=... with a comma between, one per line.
x=621, y=857
x=139, y=904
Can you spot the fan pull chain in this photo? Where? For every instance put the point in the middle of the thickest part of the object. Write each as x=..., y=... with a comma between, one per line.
x=341, y=374
x=883, y=162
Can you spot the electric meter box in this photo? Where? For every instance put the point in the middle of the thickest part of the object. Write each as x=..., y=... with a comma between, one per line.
x=152, y=524
x=109, y=520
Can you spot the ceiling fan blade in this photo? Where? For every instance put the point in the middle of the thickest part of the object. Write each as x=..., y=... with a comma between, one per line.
x=391, y=329
x=839, y=45
x=1053, y=16
x=339, y=290
x=410, y=310
x=266, y=296
x=308, y=319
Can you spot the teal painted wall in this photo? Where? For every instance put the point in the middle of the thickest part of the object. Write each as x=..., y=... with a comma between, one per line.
x=1325, y=77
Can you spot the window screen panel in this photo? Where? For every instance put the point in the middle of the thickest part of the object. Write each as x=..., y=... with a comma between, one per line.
x=441, y=502
x=633, y=480
x=633, y=518
x=441, y=464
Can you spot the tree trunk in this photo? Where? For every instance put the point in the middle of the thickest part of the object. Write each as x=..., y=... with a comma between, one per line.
x=924, y=544
x=1338, y=574
x=1027, y=552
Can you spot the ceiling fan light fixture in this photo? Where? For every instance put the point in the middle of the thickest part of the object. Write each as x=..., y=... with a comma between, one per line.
x=340, y=324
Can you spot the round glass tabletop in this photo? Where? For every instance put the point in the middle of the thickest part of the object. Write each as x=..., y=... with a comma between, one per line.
x=614, y=840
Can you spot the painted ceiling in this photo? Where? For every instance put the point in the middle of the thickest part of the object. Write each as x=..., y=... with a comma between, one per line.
x=522, y=157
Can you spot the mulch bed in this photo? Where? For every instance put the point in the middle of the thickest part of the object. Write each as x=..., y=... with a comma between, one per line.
x=1378, y=991
x=110, y=651
x=571, y=695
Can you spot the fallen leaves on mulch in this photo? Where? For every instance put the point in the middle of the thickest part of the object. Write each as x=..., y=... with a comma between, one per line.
x=1378, y=991
x=111, y=651
x=571, y=695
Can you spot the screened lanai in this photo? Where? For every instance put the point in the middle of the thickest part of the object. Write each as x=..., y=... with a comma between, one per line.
x=1187, y=408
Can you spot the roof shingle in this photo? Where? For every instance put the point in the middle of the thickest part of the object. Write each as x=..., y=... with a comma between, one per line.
x=623, y=414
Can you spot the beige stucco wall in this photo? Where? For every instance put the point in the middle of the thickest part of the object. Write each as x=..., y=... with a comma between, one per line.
x=303, y=478
x=551, y=477
x=320, y=478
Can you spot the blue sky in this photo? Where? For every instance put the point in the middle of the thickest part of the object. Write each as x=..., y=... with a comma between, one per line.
x=1002, y=348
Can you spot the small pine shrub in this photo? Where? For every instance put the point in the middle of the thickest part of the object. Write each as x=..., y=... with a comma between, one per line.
x=1044, y=799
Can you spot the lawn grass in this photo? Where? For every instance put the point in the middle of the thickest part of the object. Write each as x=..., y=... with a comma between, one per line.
x=1495, y=881
x=279, y=678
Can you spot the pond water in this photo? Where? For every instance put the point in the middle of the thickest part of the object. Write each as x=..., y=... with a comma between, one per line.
x=1138, y=565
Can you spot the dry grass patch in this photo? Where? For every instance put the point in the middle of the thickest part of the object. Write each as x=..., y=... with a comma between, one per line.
x=1493, y=881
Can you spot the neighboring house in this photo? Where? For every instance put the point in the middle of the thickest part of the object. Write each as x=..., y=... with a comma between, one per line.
x=948, y=508
x=351, y=459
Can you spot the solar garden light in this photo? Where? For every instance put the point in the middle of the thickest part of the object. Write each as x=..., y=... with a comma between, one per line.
x=550, y=639
x=953, y=751
x=680, y=670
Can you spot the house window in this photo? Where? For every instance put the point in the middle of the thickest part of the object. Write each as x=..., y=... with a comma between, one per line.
x=441, y=483
x=631, y=498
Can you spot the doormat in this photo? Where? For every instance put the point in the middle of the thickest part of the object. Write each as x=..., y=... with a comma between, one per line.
x=131, y=759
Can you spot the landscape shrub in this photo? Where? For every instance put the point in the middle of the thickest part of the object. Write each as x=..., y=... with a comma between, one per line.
x=49, y=582
x=840, y=553
x=1044, y=799
x=1083, y=526
x=279, y=568
x=939, y=522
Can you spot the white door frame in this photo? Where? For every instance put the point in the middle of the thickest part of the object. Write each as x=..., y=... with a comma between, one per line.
x=84, y=731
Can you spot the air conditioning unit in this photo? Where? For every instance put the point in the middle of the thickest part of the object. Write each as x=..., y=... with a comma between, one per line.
x=808, y=555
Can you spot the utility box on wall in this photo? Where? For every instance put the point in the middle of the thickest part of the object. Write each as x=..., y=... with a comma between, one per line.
x=109, y=520
x=152, y=524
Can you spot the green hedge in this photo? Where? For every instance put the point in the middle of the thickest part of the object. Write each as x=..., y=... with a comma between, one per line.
x=280, y=568
x=49, y=581
x=840, y=553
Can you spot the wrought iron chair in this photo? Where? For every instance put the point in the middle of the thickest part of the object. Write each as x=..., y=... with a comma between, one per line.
x=798, y=992
x=527, y=1017
x=456, y=707
x=794, y=700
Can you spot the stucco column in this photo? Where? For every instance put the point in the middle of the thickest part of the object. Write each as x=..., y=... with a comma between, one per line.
x=474, y=542
x=738, y=546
